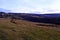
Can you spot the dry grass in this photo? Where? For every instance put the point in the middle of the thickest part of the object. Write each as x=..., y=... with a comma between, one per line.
x=24, y=30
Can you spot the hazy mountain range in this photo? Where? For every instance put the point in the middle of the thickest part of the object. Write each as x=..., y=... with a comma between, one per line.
x=4, y=10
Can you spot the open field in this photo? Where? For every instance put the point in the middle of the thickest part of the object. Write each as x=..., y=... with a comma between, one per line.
x=25, y=30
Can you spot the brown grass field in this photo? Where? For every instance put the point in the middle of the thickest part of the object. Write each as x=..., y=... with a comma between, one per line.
x=25, y=30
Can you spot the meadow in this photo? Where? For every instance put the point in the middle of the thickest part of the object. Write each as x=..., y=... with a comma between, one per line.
x=25, y=30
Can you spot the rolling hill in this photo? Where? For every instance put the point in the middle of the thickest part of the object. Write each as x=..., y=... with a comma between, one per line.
x=40, y=18
x=25, y=30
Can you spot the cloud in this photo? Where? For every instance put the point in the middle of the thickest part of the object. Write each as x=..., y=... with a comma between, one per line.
x=43, y=6
x=54, y=7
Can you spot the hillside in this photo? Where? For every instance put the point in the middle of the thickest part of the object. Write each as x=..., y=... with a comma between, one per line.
x=25, y=30
x=41, y=18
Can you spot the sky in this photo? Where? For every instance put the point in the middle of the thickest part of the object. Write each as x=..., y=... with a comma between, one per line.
x=28, y=6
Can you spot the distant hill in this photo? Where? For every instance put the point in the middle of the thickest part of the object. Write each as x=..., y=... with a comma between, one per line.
x=4, y=10
x=41, y=18
x=52, y=15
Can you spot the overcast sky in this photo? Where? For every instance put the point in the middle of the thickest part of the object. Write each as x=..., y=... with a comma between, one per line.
x=42, y=6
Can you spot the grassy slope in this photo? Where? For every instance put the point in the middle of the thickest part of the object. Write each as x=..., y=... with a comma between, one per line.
x=24, y=30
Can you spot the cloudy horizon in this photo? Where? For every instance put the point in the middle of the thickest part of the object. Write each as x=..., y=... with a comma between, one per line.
x=27, y=6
